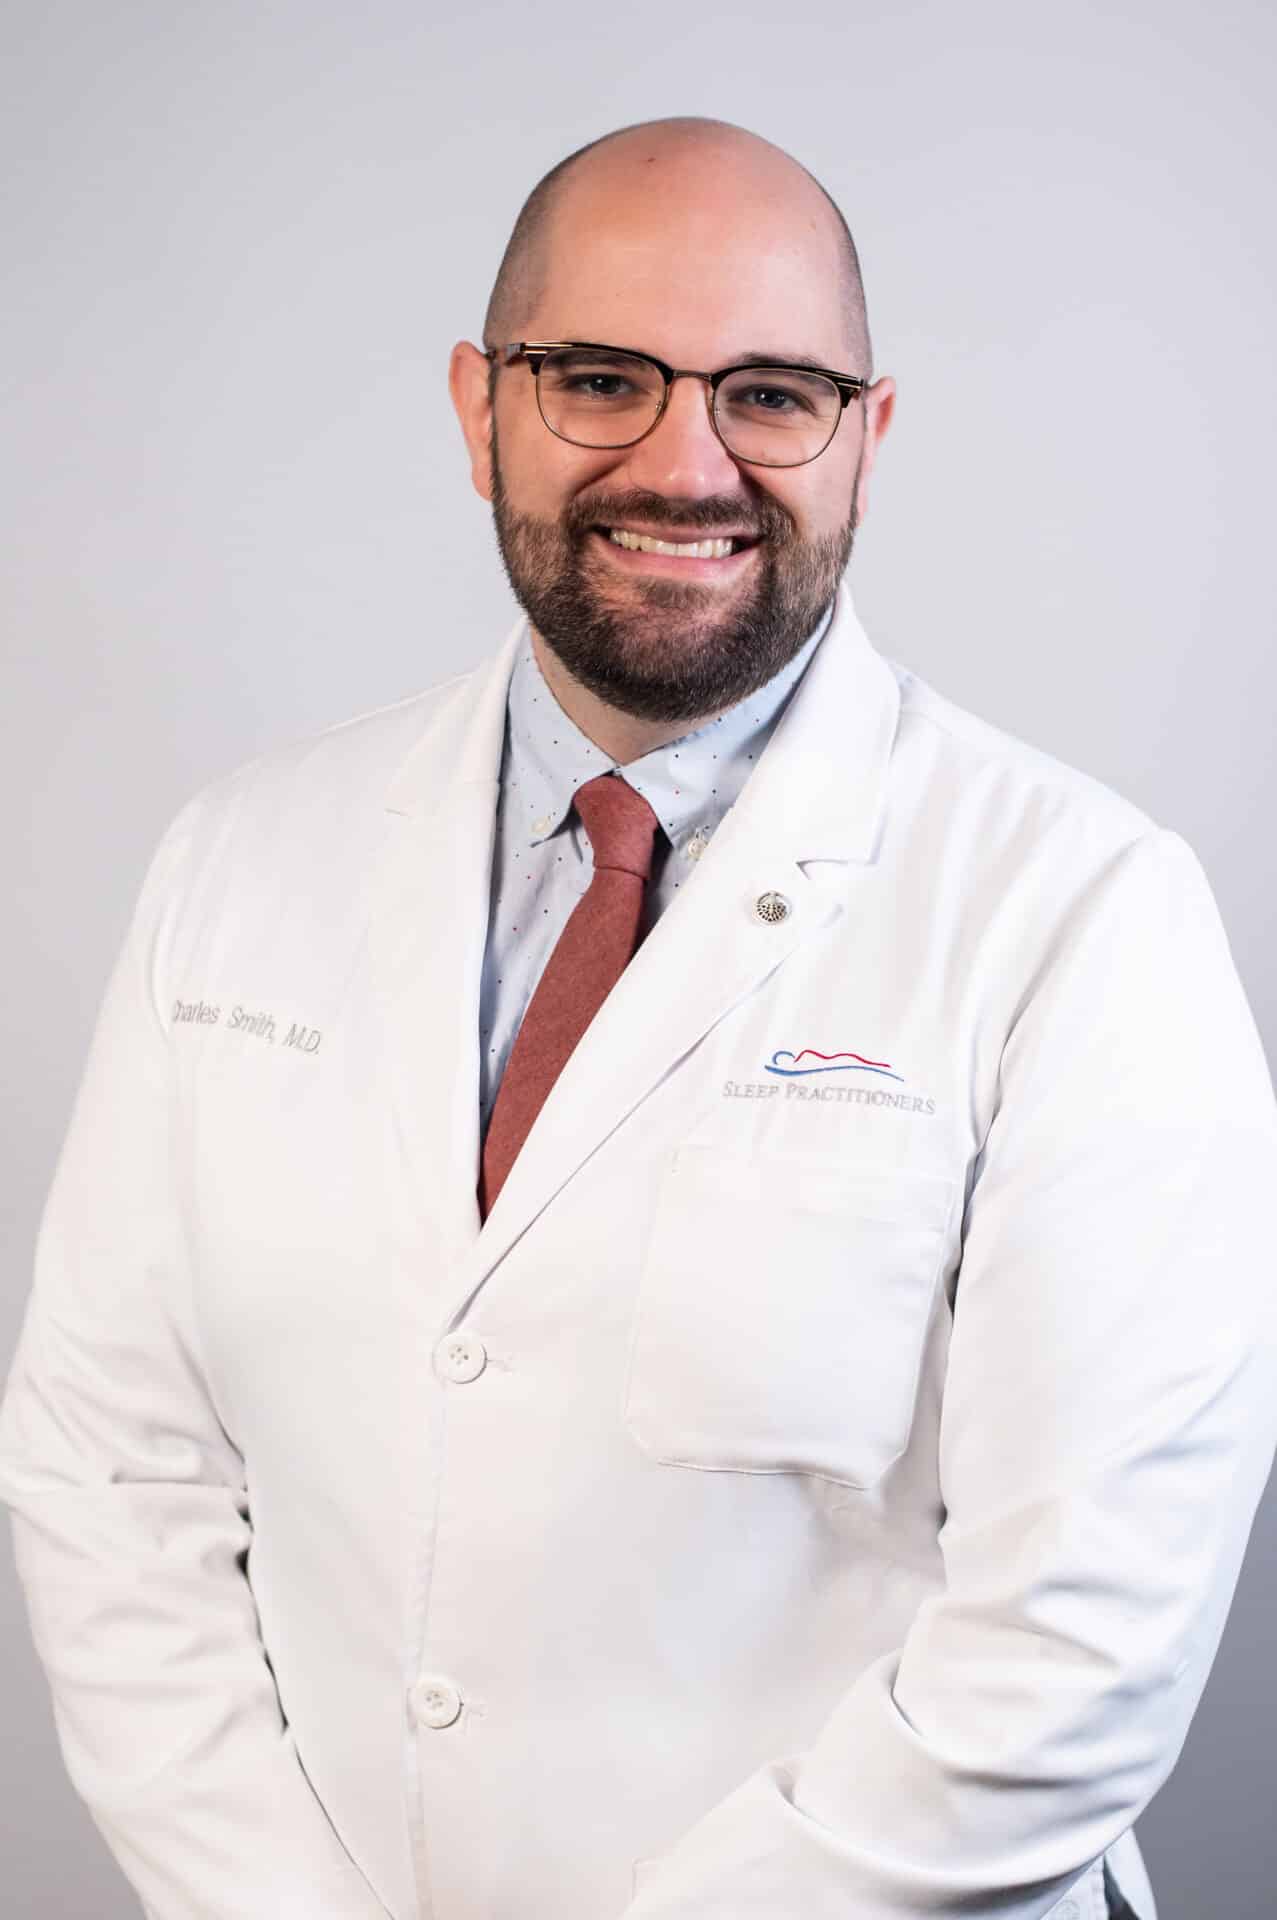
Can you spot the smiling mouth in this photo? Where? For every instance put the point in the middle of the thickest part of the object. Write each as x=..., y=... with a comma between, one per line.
x=712, y=547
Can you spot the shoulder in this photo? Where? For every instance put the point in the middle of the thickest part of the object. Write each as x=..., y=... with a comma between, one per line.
x=1016, y=828
x=325, y=784
x=998, y=771
x=300, y=824
x=1020, y=848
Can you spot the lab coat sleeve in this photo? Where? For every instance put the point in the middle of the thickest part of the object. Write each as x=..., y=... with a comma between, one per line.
x=1108, y=1425
x=129, y=1514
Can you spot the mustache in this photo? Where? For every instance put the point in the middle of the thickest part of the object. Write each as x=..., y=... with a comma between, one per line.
x=709, y=517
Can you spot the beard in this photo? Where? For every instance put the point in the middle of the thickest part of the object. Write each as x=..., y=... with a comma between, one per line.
x=659, y=648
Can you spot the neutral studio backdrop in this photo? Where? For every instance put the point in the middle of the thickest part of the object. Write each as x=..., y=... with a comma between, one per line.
x=240, y=241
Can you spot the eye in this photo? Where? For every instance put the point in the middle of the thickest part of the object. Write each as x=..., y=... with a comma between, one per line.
x=587, y=378
x=770, y=400
x=598, y=386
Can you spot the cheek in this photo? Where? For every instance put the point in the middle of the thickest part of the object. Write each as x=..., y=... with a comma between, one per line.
x=826, y=501
x=541, y=474
x=814, y=509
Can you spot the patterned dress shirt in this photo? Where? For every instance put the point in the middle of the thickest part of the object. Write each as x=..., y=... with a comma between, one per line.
x=542, y=863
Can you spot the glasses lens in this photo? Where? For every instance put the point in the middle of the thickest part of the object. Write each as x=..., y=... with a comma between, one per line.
x=598, y=399
x=775, y=416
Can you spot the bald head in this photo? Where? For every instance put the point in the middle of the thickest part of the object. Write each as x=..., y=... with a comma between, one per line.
x=676, y=161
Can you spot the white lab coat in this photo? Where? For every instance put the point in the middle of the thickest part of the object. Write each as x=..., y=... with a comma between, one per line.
x=810, y=1496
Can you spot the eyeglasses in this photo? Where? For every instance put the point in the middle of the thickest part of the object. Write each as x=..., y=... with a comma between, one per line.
x=766, y=413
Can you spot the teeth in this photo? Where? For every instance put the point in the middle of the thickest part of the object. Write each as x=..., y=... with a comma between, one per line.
x=689, y=550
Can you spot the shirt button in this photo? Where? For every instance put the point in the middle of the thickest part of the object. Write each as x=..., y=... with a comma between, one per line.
x=697, y=844
x=435, y=1702
x=542, y=825
x=462, y=1356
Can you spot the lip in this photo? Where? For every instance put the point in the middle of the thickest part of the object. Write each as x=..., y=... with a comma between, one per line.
x=674, y=566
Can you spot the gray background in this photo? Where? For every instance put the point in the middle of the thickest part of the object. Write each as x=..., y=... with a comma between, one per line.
x=240, y=242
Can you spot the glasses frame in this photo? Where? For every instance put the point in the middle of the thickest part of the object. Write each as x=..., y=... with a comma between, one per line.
x=850, y=386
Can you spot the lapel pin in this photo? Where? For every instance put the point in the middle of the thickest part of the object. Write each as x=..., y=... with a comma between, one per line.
x=772, y=908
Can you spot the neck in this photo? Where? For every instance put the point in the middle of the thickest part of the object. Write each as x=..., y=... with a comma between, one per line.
x=621, y=736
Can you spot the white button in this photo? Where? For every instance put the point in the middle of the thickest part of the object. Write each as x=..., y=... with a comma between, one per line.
x=543, y=824
x=462, y=1356
x=697, y=844
x=772, y=908
x=435, y=1702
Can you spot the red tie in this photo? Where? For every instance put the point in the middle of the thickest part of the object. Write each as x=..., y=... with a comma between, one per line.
x=589, y=958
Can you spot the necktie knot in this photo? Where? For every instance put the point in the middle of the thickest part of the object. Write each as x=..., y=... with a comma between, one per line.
x=620, y=823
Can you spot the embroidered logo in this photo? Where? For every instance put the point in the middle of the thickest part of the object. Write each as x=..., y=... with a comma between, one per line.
x=833, y=1063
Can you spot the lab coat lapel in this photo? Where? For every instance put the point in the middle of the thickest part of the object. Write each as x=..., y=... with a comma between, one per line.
x=429, y=922
x=817, y=795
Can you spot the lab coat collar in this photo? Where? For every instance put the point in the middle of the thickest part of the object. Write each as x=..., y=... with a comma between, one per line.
x=689, y=780
x=822, y=775
x=817, y=795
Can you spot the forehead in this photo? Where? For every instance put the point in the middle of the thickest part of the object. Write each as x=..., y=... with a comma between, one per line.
x=695, y=269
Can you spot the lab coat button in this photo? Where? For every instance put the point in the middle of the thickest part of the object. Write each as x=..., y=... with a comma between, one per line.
x=435, y=1702
x=772, y=908
x=462, y=1356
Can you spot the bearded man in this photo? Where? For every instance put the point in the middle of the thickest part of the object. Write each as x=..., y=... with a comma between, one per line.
x=658, y=1301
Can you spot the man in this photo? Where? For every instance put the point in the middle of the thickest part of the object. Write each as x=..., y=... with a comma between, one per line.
x=658, y=1300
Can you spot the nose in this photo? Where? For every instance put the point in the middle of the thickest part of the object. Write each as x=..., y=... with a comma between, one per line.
x=683, y=454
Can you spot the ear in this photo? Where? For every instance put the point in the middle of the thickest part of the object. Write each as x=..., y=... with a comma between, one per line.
x=468, y=385
x=879, y=404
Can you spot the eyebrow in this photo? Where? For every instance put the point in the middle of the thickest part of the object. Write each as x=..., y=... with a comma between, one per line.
x=764, y=357
x=776, y=360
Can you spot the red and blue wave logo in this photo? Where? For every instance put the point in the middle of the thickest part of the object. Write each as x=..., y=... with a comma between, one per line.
x=829, y=1063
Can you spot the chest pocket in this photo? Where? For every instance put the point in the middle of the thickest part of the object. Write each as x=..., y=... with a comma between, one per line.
x=781, y=1313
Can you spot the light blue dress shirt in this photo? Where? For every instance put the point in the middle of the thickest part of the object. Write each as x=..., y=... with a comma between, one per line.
x=542, y=862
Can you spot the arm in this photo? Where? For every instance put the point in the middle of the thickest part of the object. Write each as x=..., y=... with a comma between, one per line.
x=1109, y=1421
x=130, y=1518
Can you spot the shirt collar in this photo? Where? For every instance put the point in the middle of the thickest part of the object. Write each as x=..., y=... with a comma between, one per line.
x=689, y=782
